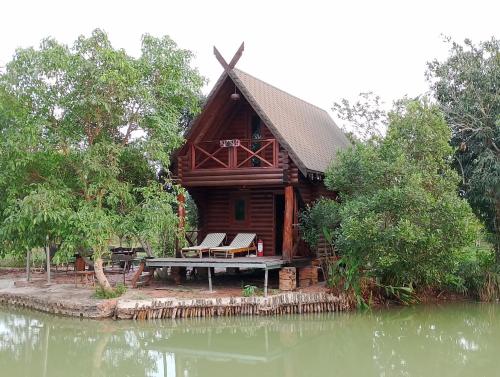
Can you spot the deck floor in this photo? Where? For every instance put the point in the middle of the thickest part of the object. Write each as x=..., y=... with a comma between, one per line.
x=266, y=263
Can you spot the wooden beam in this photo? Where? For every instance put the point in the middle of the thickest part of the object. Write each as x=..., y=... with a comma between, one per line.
x=181, y=212
x=221, y=59
x=227, y=67
x=288, y=223
x=237, y=56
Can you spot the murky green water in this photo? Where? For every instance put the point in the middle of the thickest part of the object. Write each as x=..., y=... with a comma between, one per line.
x=451, y=340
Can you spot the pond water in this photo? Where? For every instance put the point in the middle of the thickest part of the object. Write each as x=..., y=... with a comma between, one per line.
x=448, y=340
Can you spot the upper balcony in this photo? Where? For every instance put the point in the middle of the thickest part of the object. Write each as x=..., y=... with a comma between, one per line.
x=235, y=162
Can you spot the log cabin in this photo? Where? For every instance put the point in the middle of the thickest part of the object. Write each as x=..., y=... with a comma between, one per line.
x=254, y=157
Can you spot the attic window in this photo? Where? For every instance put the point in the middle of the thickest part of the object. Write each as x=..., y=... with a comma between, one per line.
x=256, y=135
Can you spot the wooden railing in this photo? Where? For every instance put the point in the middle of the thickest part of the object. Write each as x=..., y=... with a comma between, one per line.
x=233, y=154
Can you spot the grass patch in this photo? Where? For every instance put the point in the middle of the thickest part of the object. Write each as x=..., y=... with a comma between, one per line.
x=117, y=291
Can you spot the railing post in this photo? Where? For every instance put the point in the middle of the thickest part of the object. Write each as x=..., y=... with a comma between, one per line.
x=193, y=157
x=233, y=157
x=275, y=153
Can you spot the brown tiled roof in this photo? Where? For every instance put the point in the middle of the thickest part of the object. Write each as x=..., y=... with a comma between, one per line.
x=308, y=133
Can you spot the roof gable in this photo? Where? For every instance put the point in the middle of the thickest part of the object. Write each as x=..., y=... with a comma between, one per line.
x=307, y=132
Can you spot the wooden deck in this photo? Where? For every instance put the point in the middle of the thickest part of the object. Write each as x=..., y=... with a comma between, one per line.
x=264, y=263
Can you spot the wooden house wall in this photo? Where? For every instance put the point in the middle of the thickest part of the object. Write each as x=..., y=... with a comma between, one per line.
x=216, y=214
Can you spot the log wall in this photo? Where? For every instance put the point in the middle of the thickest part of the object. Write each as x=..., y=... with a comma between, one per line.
x=217, y=213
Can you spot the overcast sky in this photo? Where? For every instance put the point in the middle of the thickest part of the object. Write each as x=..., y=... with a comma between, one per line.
x=320, y=51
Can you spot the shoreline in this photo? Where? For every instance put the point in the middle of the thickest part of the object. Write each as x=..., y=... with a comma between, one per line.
x=66, y=300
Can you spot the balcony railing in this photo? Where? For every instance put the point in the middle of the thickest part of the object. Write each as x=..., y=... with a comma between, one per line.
x=235, y=153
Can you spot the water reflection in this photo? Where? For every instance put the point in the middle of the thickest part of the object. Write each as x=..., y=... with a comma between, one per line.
x=426, y=341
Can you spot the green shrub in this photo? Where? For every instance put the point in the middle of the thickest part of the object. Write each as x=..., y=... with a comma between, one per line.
x=399, y=220
x=117, y=291
x=249, y=290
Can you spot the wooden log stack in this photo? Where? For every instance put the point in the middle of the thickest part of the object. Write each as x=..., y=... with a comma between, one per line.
x=288, y=279
x=308, y=276
x=285, y=303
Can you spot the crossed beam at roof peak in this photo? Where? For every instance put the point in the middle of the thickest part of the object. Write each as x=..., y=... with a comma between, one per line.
x=227, y=67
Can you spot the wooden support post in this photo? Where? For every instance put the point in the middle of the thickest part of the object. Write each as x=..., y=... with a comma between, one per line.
x=288, y=223
x=181, y=212
x=210, y=279
x=28, y=267
x=266, y=277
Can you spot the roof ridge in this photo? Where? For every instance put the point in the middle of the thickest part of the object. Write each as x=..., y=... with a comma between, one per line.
x=281, y=90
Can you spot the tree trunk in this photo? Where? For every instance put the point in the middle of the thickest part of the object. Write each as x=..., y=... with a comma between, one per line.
x=147, y=247
x=100, y=276
x=496, y=235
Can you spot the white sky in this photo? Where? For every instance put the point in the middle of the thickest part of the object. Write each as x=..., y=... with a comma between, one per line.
x=320, y=51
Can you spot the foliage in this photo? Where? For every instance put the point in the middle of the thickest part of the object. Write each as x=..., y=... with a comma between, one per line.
x=466, y=86
x=399, y=218
x=365, y=119
x=85, y=129
x=249, y=290
x=319, y=220
x=117, y=291
x=402, y=295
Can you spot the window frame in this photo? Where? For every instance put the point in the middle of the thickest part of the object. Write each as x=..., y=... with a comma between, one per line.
x=234, y=199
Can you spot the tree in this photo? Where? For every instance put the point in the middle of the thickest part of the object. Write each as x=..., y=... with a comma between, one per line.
x=84, y=131
x=365, y=119
x=467, y=88
x=399, y=218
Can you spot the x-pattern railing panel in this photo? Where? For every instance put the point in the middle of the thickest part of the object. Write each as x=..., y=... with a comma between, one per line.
x=266, y=145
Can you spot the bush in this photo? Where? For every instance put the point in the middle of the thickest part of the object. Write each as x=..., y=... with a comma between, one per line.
x=399, y=219
x=249, y=290
x=119, y=290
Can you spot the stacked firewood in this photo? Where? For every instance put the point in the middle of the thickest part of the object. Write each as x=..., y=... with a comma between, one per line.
x=308, y=276
x=288, y=279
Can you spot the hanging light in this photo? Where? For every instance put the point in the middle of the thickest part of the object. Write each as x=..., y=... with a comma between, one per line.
x=235, y=96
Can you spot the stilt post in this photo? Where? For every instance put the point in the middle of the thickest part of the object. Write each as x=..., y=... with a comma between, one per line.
x=210, y=279
x=266, y=278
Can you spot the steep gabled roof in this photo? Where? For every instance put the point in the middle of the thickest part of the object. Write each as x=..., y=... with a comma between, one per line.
x=307, y=132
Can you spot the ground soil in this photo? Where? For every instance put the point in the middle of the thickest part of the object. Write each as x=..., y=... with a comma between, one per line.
x=224, y=284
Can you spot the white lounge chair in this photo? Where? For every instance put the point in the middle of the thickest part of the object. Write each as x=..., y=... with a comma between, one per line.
x=210, y=240
x=242, y=243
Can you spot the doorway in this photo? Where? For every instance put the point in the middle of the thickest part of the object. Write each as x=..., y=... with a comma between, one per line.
x=279, y=214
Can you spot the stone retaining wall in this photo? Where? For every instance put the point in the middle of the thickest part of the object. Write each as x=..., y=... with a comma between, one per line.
x=61, y=300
